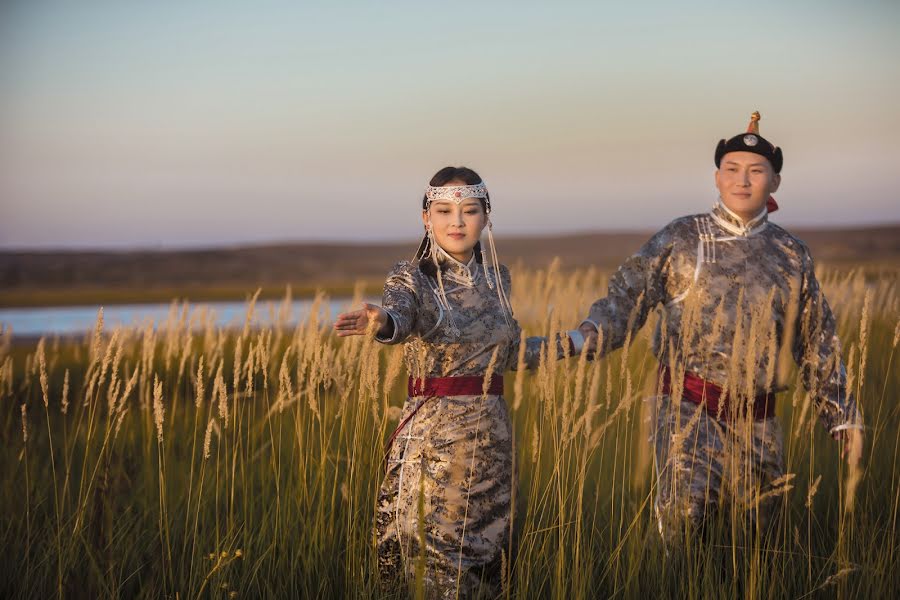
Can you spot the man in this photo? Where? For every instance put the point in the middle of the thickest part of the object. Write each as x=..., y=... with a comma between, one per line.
x=736, y=294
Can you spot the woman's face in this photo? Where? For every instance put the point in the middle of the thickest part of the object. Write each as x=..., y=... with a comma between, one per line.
x=457, y=227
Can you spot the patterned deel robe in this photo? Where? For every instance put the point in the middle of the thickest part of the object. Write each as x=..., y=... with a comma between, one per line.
x=726, y=290
x=444, y=504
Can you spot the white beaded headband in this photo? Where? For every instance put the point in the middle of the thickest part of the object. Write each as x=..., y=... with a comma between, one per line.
x=456, y=193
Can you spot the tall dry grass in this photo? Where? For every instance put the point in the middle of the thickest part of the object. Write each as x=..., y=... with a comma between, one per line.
x=189, y=461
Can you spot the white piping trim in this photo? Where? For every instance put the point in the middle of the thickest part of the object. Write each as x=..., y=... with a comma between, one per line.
x=393, y=339
x=469, y=269
x=437, y=299
x=743, y=231
x=437, y=323
x=592, y=323
x=400, y=477
x=469, y=279
x=678, y=298
x=577, y=339
x=711, y=239
x=701, y=258
x=446, y=256
x=846, y=426
x=700, y=240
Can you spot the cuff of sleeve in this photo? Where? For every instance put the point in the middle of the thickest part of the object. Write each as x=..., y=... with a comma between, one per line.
x=576, y=339
x=395, y=334
x=846, y=426
x=592, y=323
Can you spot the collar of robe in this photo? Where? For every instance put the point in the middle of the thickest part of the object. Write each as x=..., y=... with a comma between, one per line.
x=732, y=223
x=465, y=274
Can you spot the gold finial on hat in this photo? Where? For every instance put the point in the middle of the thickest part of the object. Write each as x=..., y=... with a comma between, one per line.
x=753, y=127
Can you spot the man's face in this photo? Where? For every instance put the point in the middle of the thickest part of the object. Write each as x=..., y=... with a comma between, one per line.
x=745, y=181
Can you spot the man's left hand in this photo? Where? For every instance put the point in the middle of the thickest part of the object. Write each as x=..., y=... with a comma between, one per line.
x=851, y=444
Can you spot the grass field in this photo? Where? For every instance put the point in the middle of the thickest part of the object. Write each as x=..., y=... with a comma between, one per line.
x=192, y=462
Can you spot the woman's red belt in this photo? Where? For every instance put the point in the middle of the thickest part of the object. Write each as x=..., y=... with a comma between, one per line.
x=431, y=387
x=453, y=386
x=713, y=398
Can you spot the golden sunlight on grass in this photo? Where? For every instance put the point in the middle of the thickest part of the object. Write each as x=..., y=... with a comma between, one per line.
x=191, y=461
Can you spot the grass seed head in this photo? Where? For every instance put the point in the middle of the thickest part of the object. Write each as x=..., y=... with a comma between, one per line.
x=207, y=438
x=159, y=411
x=24, y=410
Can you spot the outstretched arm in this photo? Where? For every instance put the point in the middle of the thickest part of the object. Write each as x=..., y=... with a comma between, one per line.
x=817, y=350
x=526, y=351
x=634, y=290
x=395, y=319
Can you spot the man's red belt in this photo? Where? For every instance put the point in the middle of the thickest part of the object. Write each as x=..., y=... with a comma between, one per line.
x=711, y=396
x=453, y=386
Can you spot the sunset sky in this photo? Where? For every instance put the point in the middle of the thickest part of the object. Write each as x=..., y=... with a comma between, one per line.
x=174, y=124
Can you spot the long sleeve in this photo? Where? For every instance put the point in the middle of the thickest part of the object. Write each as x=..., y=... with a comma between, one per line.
x=634, y=290
x=533, y=347
x=817, y=350
x=531, y=357
x=400, y=302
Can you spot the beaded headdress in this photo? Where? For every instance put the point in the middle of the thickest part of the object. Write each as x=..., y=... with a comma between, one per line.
x=457, y=193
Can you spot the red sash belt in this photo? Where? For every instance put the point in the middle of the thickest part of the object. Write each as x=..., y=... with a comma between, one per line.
x=442, y=386
x=453, y=386
x=711, y=396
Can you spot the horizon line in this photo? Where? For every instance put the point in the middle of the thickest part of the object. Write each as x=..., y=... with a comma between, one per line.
x=260, y=243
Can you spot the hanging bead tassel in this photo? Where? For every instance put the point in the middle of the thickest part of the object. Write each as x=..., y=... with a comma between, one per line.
x=505, y=306
x=434, y=253
x=443, y=294
x=487, y=272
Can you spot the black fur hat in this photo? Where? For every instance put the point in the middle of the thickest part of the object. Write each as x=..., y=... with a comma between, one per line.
x=751, y=141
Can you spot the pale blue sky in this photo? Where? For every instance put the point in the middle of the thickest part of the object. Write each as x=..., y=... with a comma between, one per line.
x=207, y=123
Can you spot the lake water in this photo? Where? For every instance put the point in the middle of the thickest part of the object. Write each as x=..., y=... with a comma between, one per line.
x=68, y=320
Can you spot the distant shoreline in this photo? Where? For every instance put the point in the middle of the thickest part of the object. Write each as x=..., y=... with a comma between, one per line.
x=69, y=278
x=50, y=297
x=799, y=230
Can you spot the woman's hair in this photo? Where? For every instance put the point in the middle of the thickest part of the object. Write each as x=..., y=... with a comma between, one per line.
x=441, y=178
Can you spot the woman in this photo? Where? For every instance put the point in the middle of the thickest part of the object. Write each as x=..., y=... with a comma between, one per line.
x=449, y=463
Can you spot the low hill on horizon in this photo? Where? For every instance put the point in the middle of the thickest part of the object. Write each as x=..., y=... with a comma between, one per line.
x=71, y=277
